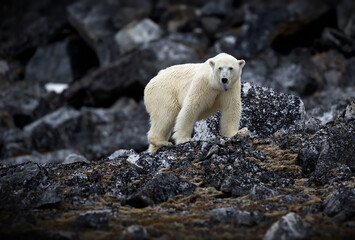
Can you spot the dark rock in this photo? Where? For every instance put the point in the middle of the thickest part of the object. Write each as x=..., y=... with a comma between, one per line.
x=333, y=38
x=161, y=188
x=14, y=143
x=19, y=218
x=264, y=112
x=304, y=28
x=52, y=131
x=98, y=221
x=137, y=33
x=121, y=78
x=123, y=182
x=340, y=204
x=97, y=22
x=20, y=107
x=36, y=27
x=51, y=197
x=330, y=148
x=65, y=126
x=4, y=73
x=60, y=62
x=26, y=186
x=262, y=191
x=330, y=103
x=54, y=62
x=290, y=226
x=297, y=78
x=238, y=217
x=256, y=29
x=345, y=17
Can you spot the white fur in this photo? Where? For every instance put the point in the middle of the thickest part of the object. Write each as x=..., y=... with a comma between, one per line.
x=183, y=94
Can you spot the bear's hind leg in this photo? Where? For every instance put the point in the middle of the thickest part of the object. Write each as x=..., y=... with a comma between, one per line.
x=159, y=132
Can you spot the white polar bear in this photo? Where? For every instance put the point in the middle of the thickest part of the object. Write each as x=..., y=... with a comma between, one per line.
x=182, y=94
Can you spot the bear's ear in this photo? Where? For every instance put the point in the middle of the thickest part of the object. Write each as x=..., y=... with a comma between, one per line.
x=212, y=64
x=241, y=63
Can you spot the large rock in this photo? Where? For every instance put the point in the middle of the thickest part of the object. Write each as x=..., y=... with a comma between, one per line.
x=20, y=106
x=40, y=23
x=13, y=142
x=340, y=204
x=128, y=75
x=255, y=32
x=264, y=112
x=238, y=217
x=328, y=154
x=162, y=187
x=97, y=22
x=60, y=62
x=304, y=27
x=137, y=33
x=53, y=62
x=290, y=226
x=27, y=186
x=88, y=130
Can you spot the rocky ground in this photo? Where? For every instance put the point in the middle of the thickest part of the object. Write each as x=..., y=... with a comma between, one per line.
x=72, y=163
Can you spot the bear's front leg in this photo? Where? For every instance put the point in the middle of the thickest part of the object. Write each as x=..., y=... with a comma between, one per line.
x=230, y=118
x=184, y=125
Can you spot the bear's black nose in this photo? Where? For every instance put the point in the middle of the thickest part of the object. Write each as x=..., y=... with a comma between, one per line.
x=224, y=80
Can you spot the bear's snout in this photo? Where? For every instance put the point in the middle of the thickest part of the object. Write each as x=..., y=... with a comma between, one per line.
x=224, y=80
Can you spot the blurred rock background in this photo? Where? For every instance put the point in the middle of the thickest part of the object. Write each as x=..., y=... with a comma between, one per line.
x=103, y=53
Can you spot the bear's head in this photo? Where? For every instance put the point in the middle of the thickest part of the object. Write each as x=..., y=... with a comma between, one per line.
x=226, y=71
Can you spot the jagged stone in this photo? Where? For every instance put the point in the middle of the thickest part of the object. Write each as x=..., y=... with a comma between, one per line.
x=162, y=187
x=330, y=148
x=340, y=204
x=262, y=191
x=290, y=226
x=137, y=33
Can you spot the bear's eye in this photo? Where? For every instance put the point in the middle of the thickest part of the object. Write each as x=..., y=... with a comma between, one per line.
x=230, y=68
x=220, y=68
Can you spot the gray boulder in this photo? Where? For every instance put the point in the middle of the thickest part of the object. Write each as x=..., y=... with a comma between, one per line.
x=238, y=217
x=137, y=33
x=290, y=226
x=50, y=64
x=87, y=130
x=340, y=204
x=328, y=154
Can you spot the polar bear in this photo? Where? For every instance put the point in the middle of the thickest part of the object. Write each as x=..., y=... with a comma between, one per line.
x=182, y=94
